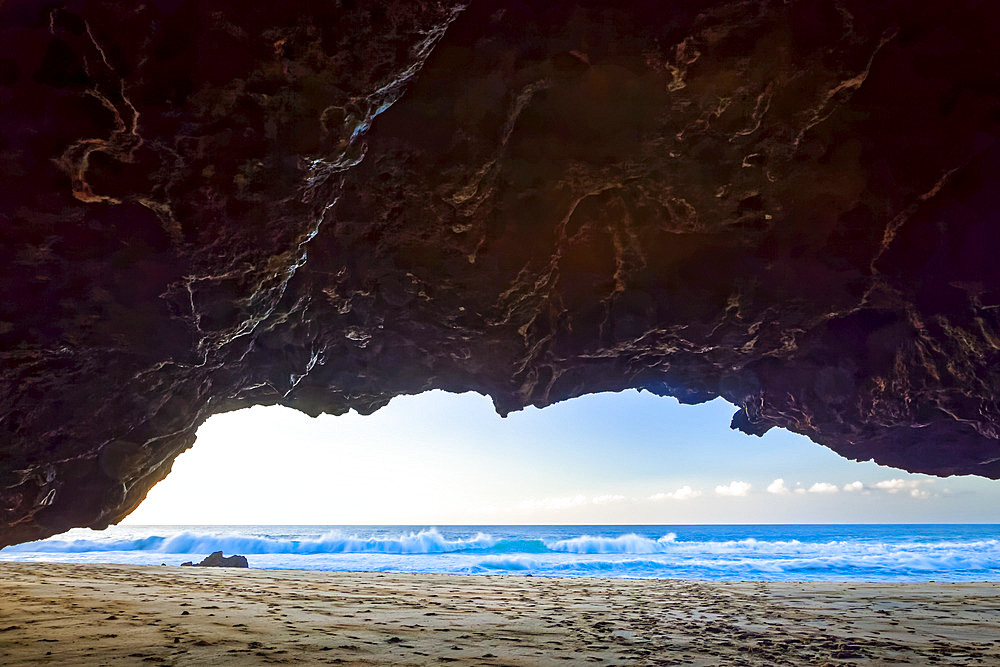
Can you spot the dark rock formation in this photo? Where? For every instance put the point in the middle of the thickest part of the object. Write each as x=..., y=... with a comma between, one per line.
x=216, y=559
x=791, y=205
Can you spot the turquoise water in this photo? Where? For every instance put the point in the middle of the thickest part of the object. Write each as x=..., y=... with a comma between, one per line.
x=951, y=552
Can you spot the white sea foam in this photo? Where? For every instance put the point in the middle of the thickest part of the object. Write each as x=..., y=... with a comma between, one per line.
x=508, y=563
x=757, y=553
x=426, y=541
x=623, y=544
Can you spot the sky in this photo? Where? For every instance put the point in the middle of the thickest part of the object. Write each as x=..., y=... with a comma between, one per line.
x=612, y=458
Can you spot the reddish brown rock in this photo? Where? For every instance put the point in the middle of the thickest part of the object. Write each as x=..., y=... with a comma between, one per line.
x=210, y=205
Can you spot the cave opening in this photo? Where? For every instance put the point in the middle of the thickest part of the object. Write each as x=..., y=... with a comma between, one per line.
x=610, y=458
x=627, y=481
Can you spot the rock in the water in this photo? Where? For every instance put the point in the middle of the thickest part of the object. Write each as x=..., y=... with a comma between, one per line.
x=216, y=559
x=217, y=204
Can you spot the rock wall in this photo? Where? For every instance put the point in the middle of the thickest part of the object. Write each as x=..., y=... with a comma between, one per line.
x=210, y=205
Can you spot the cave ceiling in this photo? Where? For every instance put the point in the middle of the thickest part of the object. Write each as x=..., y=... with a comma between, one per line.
x=211, y=205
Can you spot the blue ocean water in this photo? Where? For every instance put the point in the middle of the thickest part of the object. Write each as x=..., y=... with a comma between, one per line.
x=952, y=552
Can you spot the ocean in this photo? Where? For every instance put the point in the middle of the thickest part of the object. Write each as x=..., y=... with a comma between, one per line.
x=947, y=552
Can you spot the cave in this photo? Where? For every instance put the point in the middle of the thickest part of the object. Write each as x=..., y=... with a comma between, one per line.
x=209, y=205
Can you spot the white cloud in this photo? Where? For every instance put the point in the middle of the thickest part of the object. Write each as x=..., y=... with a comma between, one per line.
x=778, y=487
x=823, y=487
x=910, y=486
x=683, y=493
x=606, y=499
x=897, y=485
x=734, y=488
x=892, y=485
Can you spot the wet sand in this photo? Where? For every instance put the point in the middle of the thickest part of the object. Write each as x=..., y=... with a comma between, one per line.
x=114, y=614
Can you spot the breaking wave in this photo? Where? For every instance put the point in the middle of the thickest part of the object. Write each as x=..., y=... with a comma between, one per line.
x=429, y=541
x=423, y=542
x=623, y=544
x=776, y=554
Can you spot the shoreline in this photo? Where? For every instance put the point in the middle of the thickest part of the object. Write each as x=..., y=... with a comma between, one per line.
x=514, y=574
x=130, y=614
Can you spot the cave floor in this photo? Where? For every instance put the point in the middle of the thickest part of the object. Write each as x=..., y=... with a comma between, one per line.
x=104, y=614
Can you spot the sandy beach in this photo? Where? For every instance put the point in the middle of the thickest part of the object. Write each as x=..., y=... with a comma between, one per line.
x=115, y=614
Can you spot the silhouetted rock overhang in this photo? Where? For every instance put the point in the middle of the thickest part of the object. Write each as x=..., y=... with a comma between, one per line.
x=211, y=205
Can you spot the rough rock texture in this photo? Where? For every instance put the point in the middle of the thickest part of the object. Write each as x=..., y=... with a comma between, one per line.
x=216, y=559
x=791, y=205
